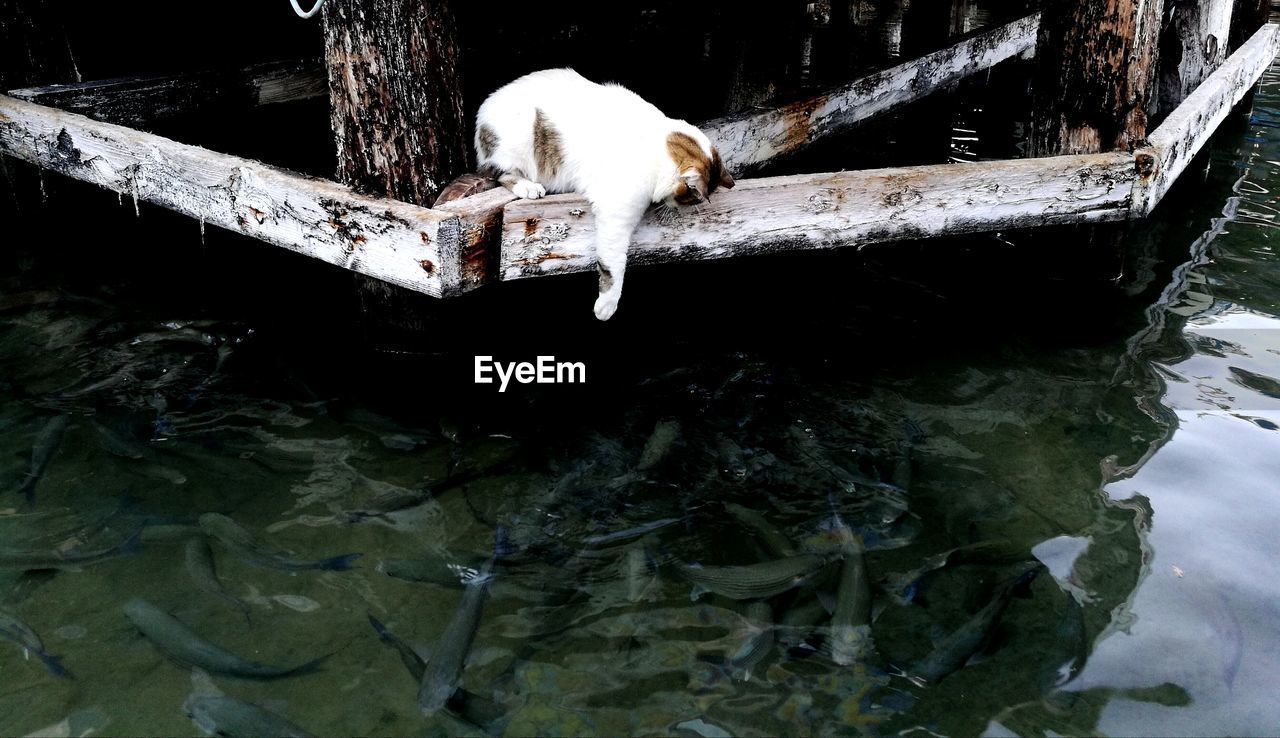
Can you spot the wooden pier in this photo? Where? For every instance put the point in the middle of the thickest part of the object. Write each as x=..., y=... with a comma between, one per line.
x=1098, y=164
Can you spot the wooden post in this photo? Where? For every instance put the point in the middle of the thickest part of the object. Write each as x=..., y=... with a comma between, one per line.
x=1195, y=41
x=34, y=50
x=397, y=118
x=1248, y=17
x=397, y=101
x=1095, y=75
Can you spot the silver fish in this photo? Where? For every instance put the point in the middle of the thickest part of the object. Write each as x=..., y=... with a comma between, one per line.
x=851, y=621
x=730, y=459
x=46, y=445
x=20, y=633
x=665, y=434
x=230, y=717
x=952, y=652
x=757, y=643
x=204, y=573
x=433, y=570
x=440, y=680
x=799, y=620
x=68, y=560
x=773, y=540
x=117, y=443
x=473, y=710
x=182, y=645
x=242, y=543
x=755, y=581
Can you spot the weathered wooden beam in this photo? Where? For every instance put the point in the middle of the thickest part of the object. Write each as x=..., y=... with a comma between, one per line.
x=1194, y=42
x=140, y=101
x=556, y=234
x=1184, y=133
x=750, y=140
x=413, y=247
x=1096, y=67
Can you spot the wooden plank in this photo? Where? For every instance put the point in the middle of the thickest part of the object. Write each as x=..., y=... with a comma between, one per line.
x=556, y=235
x=140, y=101
x=751, y=140
x=410, y=246
x=1184, y=133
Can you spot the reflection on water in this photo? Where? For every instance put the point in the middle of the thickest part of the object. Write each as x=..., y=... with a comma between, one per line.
x=1017, y=527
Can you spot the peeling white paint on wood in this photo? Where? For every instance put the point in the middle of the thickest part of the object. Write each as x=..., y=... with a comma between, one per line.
x=556, y=234
x=413, y=247
x=749, y=141
x=1184, y=133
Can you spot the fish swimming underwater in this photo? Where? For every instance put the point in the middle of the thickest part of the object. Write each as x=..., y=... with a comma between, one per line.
x=226, y=716
x=444, y=671
x=46, y=445
x=20, y=633
x=243, y=544
x=182, y=645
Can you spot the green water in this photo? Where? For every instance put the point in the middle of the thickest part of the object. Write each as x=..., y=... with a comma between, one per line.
x=1116, y=434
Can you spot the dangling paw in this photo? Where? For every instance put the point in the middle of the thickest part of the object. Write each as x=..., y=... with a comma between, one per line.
x=528, y=189
x=606, y=305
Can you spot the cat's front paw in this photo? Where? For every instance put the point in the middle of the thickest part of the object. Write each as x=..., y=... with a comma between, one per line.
x=529, y=190
x=606, y=306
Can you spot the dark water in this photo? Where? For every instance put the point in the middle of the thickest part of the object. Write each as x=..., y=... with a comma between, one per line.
x=975, y=411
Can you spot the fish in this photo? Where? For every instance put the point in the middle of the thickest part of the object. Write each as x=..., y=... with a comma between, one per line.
x=46, y=445
x=638, y=570
x=799, y=620
x=227, y=716
x=474, y=710
x=730, y=459
x=754, y=581
x=117, y=443
x=953, y=651
x=444, y=671
x=68, y=560
x=203, y=572
x=627, y=534
x=773, y=540
x=242, y=543
x=809, y=447
x=20, y=633
x=432, y=570
x=757, y=644
x=851, y=621
x=169, y=532
x=665, y=434
x=183, y=646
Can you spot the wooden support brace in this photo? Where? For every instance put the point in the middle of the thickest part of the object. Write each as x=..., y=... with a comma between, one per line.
x=774, y=214
x=1173, y=145
x=751, y=140
x=140, y=101
x=416, y=248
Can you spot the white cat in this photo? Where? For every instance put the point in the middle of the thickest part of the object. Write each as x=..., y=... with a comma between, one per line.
x=556, y=131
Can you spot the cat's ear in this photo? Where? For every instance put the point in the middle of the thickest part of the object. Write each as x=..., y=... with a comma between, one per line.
x=726, y=179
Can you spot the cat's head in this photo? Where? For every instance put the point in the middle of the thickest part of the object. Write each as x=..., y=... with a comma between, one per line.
x=698, y=168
